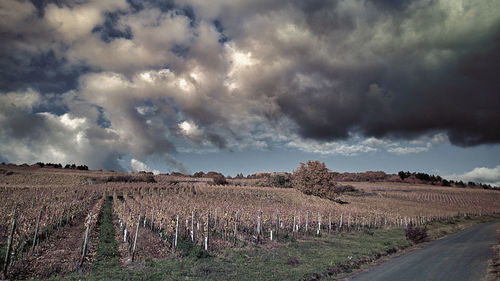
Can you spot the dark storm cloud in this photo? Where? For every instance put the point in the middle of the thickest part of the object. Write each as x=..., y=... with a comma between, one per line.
x=457, y=94
x=460, y=97
x=391, y=4
x=109, y=30
x=43, y=72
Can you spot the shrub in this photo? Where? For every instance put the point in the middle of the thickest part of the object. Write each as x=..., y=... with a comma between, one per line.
x=345, y=188
x=415, y=233
x=283, y=181
x=190, y=249
x=403, y=175
x=127, y=178
x=82, y=167
x=53, y=165
x=220, y=180
x=314, y=178
x=199, y=174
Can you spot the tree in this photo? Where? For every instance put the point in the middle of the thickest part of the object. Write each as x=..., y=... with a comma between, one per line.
x=403, y=175
x=199, y=174
x=313, y=178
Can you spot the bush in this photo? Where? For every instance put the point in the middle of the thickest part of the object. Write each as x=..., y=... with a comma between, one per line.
x=403, y=175
x=283, y=181
x=82, y=167
x=199, y=174
x=127, y=178
x=416, y=234
x=190, y=249
x=345, y=188
x=314, y=178
x=220, y=180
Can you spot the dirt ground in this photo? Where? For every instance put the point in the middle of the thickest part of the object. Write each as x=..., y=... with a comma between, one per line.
x=59, y=253
x=149, y=246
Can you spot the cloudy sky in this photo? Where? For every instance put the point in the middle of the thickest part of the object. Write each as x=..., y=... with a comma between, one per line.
x=245, y=86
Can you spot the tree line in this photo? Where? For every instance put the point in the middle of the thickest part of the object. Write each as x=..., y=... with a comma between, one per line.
x=60, y=166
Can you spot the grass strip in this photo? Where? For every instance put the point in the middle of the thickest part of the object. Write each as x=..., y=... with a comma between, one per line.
x=309, y=259
x=107, y=251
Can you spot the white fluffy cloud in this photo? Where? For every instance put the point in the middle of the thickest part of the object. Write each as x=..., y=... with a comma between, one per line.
x=480, y=174
x=408, y=150
x=138, y=166
x=28, y=136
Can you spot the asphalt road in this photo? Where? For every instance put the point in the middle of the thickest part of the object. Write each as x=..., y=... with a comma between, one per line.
x=459, y=257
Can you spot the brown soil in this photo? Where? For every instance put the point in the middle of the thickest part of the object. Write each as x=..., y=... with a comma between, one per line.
x=122, y=246
x=93, y=243
x=149, y=246
x=60, y=253
x=3, y=235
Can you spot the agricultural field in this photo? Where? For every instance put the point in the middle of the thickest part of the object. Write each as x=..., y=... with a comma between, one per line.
x=58, y=223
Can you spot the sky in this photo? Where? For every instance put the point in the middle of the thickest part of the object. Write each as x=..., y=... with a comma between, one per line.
x=248, y=86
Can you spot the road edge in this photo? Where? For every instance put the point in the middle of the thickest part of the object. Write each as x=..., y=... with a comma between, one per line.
x=406, y=250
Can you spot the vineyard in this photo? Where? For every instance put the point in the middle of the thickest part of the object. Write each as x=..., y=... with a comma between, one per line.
x=49, y=215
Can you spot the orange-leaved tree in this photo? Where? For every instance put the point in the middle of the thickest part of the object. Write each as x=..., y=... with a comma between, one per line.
x=313, y=178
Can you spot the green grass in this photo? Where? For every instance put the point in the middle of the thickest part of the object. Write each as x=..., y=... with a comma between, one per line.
x=107, y=252
x=253, y=262
x=293, y=260
x=453, y=225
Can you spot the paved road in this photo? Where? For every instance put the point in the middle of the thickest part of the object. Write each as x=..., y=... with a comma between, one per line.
x=459, y=257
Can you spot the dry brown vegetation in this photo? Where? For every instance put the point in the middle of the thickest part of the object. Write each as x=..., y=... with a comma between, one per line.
x=68, y=195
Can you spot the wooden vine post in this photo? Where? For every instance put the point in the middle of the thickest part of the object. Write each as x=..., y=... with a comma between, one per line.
x=236, y=227
x=192, y=226
x=35, y=236
x=340, y=223
x=152, y=218
x=277, y=224
x=329, y=222
x=123, y=227
x=176, y=231
x=135, y=238
x=259, y=225
x=9, y=245
x=349, y=222
x=318, y=231
x=298, y=223
x=85, y=241
x=207, y=238
x=307, y=221
x=216, y=222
